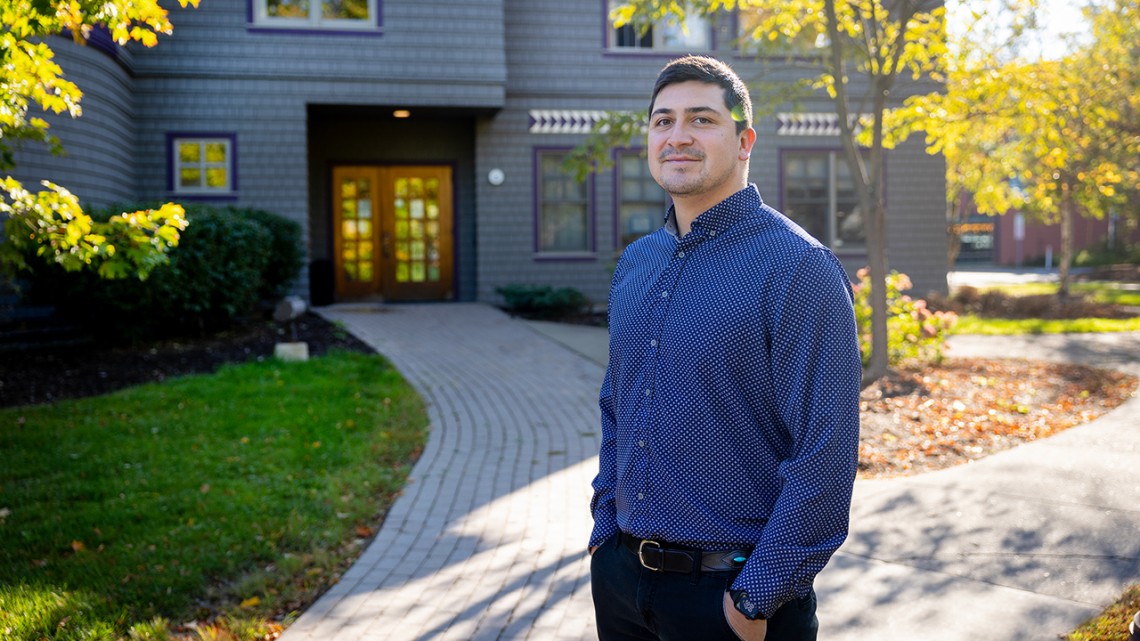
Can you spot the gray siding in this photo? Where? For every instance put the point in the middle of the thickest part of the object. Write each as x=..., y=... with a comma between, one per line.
x=557, y=60
x=98, y=165
x=470, y=71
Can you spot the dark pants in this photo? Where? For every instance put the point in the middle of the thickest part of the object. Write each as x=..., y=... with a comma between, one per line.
x=633, y=603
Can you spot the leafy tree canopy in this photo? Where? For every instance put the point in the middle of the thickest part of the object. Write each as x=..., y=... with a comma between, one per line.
x=51, y=224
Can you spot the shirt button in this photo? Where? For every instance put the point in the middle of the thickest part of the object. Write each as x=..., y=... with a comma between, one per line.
x=653, y=342
x=648, y=391
x=680, y=254
x=664, y=294
x=712, y=234
x=640, y=496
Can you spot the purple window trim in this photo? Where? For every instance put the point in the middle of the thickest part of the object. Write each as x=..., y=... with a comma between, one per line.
x=171, y=136
x=373, y=30
x=588, y=254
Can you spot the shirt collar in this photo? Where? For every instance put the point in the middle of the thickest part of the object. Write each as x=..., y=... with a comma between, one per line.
x=721, y=216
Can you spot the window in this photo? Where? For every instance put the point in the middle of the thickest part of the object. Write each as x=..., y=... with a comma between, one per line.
x=202, y=164
x=819, y=194
x=641, y=201
x=317, y=14
x=564, y=224
x=694, y=34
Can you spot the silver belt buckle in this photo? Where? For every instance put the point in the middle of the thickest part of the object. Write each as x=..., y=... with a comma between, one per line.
x=641, y=555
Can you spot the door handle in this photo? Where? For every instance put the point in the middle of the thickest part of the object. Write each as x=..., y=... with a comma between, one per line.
x=385, y=245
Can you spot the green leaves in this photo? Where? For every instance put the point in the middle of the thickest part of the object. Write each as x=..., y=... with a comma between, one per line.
x=51, y=224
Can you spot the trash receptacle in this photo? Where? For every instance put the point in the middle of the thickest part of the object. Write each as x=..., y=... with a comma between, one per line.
x=1134, y=628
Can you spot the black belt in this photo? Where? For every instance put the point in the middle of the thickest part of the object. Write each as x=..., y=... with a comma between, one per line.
x=665, y=557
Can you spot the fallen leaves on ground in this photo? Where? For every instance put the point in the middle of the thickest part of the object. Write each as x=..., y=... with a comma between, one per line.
x=921, y=419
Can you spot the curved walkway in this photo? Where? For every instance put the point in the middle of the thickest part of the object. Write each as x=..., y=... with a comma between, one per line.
x=487, y=540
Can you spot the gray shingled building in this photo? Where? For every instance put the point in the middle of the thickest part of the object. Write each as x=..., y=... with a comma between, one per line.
x=419, y=142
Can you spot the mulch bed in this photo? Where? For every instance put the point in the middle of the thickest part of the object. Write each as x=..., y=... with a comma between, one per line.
x=43, y=376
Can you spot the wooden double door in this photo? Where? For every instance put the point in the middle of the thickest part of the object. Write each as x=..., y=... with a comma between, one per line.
x=392, y=232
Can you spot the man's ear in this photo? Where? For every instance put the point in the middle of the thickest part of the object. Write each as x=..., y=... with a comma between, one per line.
x=747, y=139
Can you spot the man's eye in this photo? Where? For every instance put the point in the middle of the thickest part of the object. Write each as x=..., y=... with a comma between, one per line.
x=663, y=122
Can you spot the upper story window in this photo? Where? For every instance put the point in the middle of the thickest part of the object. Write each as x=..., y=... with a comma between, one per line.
x=317, y=14
x=564, y=222
x=819, y=194
x=641, y=201
x=694, y=34
x=202, y=165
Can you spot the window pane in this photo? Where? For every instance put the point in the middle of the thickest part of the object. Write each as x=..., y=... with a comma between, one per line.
x=630, y=36
x=287, y=8
x=345, y=9
x=829, y=211
x=692, y=34
x=190, y=178
x=216, y=152
x=189, y=152
x=563, y=215
x=564, y=228
x=642, y=201
x=217, y=178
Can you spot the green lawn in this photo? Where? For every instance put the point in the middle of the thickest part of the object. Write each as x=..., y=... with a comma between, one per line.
x=1111, y=292
x=242, y=491
x=971, y=324
x=1101, y=290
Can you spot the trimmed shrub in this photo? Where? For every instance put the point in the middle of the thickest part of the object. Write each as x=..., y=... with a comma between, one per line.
x=542, y=301
x=286, y=253
x=227, y=259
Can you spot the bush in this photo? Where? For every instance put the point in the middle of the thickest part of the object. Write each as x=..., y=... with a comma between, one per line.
x=914, y=332
x=542, y=301
x=227, y=259
x=286, y=253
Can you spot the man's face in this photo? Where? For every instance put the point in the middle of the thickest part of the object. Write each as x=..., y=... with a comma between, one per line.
x=693, y=145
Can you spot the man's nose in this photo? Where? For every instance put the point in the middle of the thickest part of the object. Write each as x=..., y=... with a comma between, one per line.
x=679, y=136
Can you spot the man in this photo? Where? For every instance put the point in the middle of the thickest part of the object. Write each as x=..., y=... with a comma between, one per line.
x=730, y=411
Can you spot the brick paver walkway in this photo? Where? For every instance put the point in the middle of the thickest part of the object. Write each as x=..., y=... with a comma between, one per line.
x=488, y=539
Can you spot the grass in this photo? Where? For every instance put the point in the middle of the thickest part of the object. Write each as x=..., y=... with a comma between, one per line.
x=1106, y=292
x=244, y=492
x=1111, y=292
x=971, y=324
x=1112, y=624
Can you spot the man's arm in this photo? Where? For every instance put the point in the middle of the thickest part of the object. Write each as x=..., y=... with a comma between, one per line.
x=602, y=505
x=817, y=371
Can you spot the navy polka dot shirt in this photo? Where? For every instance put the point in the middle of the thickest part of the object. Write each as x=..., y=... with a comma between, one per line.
x=730, y=406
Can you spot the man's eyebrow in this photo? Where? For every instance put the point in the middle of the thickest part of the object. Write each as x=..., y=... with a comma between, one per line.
x=689, y=110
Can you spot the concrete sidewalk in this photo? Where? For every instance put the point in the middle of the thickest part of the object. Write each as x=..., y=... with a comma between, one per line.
x=486, y=542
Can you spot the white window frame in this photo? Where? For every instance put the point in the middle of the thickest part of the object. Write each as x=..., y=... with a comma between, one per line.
x=177, y=165
x=662, y=29
x=261, y=18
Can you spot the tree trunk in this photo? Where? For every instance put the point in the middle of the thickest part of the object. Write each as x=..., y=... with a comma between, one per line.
x=1066, y=258
x=953, y=230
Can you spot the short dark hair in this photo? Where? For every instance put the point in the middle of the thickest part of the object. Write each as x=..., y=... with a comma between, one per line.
x=714, y=72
